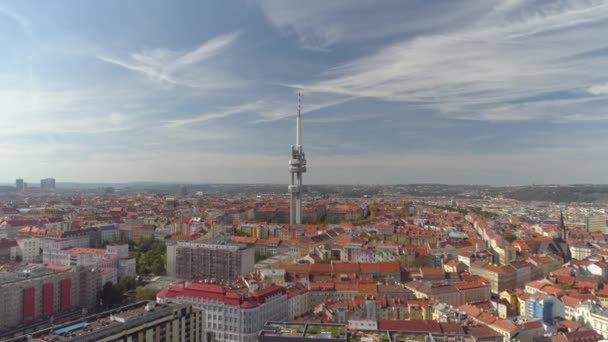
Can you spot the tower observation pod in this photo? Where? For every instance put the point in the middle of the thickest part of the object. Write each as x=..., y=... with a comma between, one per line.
x=297, y=167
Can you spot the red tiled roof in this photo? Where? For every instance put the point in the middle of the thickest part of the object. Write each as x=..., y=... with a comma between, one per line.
x=483, y=332
x=464, y=285
x=570, y=301
x=218, y=293
x=505, y=325
x=470, y=310
x=244, y=239
x=80, y=250
x=452, y=328
x=487, y=318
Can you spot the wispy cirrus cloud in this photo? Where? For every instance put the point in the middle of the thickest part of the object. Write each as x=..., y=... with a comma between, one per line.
x=473, y=71
x=320, y=25
x=266, y=110
x=283, y=110
x=582, y=117
x=182, y=68
x=23, y=22
x=251, y=107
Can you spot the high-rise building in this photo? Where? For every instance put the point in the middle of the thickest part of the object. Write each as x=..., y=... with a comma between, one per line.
x=47, y=184
x=190, y=260
x=20, y=185
x=144, y=321
x=597, y=224
x=297, y=167
x=231, y=314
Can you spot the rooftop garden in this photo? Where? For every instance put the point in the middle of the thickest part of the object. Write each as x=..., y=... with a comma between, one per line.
x=369, y=337
x=410, y=338
x=284, y=329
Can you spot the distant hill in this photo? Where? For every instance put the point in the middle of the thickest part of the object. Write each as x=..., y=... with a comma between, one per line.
x=556, y=193
x=576, y=193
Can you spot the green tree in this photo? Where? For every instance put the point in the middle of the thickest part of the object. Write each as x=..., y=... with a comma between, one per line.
x=122, y=237
x=110, y=295
x=259, y=256
x=241, y=233
x=127, y=283
x=151, y=255
x=373, y=236
x=510, y=237
x=327, y=260
x=142, y=293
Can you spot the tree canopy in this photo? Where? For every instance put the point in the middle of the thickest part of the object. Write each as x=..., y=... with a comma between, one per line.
x=111, y=295
x=151, y=255
x=142, y=293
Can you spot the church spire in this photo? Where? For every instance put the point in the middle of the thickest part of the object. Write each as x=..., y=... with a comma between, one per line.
x=562, y=226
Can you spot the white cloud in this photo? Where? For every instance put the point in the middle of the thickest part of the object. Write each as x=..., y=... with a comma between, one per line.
x=42, y=111
x=336, y=119
x=282, y=110
x=251, y=107
x=472, y=71
x=22, y=21
x=266, y=110
x=184, y=69
x=320, y=24
x=585, y=117
x=117, y=119
x=598, y=89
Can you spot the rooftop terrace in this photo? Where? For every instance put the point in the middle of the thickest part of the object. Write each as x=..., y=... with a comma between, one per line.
x=106, y=324
x=304, y=330
x=26, y=272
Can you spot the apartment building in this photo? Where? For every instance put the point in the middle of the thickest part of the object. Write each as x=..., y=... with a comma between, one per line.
x=33, y=293
x=231, y=314
x=544, y=307
x=581, y=250
x=113, y=256
x=501, y=278
x=30, y=249
x=8, y=250
x=596, y=223
x=196, y=260
x=593, y=315
x=454, y=294
x=299, y=301
x=144, y=321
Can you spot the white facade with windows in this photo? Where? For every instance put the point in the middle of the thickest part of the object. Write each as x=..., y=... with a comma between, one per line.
x=30, y=249
x=232, y=318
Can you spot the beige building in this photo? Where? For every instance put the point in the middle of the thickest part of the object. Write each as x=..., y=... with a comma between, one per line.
x=596, y=224
x=501, y=278
x=580, y=251
x=454, y=294
x=197, y=260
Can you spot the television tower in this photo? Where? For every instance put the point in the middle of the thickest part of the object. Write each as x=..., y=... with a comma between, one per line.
x=297, y=166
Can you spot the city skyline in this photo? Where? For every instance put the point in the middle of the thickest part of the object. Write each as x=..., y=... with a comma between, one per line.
x=475, y=92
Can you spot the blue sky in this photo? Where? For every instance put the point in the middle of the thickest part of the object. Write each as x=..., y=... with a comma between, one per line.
x=475, y=91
